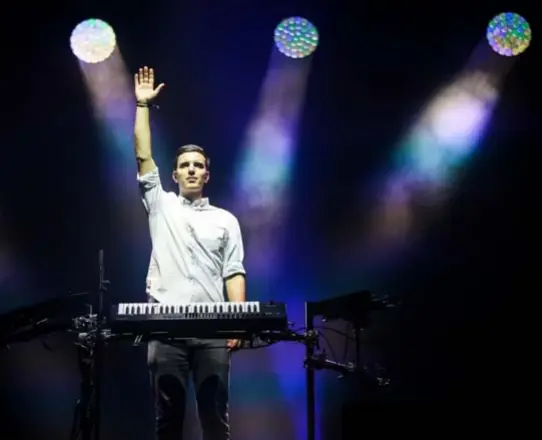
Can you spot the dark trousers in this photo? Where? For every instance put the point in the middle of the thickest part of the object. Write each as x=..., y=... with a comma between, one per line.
x=170, y=366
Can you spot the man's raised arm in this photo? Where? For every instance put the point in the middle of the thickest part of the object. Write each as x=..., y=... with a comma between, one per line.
x=145, y=93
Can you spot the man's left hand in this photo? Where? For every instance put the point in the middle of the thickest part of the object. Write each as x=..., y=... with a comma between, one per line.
x=234, y=344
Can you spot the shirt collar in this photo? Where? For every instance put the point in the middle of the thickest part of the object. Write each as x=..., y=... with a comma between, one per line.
x=198, y=203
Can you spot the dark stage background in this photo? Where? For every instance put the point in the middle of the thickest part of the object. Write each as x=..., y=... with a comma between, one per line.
x=377, y=64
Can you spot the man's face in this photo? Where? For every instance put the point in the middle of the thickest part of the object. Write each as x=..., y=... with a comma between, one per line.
x=191, y=173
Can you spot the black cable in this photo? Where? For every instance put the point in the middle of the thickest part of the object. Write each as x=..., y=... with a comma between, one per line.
x=327, y=342
x=346, y=339
x=329, y=346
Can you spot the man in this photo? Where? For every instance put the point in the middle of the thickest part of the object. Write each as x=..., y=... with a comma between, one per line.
x=197, y=251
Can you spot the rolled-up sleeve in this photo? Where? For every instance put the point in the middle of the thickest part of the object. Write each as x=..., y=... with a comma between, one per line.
x=234, y=252
x=151, y=190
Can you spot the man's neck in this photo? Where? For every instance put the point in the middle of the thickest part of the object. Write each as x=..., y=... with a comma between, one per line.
x=192, y=197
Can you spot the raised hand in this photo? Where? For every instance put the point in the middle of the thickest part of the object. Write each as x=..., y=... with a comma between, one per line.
x=144, y=85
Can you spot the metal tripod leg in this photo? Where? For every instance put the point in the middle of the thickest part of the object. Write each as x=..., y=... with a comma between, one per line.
x=82, y=419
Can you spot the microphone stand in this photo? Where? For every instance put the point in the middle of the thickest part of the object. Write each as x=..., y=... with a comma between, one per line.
x=98, y=351
x=90, y=354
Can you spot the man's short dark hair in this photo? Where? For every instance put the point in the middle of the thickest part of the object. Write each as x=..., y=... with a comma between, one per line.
x=189, y=149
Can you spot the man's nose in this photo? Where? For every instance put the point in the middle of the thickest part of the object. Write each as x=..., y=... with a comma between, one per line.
x=191, y=169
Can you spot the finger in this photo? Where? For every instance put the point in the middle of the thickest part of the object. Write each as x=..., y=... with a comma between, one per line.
x=160, y=87
x=136, y=79
x=146, y=72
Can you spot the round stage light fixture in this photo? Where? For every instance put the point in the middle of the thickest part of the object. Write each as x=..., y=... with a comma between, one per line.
x=509, y=34
x=296, y=37
x=93, y=41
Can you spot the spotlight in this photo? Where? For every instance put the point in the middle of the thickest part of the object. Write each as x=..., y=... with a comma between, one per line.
x=509, y=34
x=296, y=37
x=93, y=41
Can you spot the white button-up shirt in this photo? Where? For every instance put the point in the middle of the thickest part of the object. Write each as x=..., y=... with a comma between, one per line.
x=195, y=245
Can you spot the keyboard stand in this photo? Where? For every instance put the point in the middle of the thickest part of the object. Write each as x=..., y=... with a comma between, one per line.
x=354, y=308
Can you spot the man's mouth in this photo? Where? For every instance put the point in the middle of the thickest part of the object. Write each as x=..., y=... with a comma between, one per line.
x=192, y=180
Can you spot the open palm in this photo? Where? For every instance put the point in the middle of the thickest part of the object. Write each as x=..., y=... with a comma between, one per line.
x=144, y=85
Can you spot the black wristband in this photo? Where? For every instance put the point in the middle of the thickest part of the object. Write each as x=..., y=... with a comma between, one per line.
x=145, y=104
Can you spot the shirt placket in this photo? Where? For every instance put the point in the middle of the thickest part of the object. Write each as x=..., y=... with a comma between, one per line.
x=192, y=255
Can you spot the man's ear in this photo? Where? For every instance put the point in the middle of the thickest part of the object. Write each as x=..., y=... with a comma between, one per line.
x=207, y=176
x=174, y=176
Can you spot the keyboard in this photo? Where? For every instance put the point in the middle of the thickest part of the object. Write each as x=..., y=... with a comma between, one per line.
x=199, y=320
